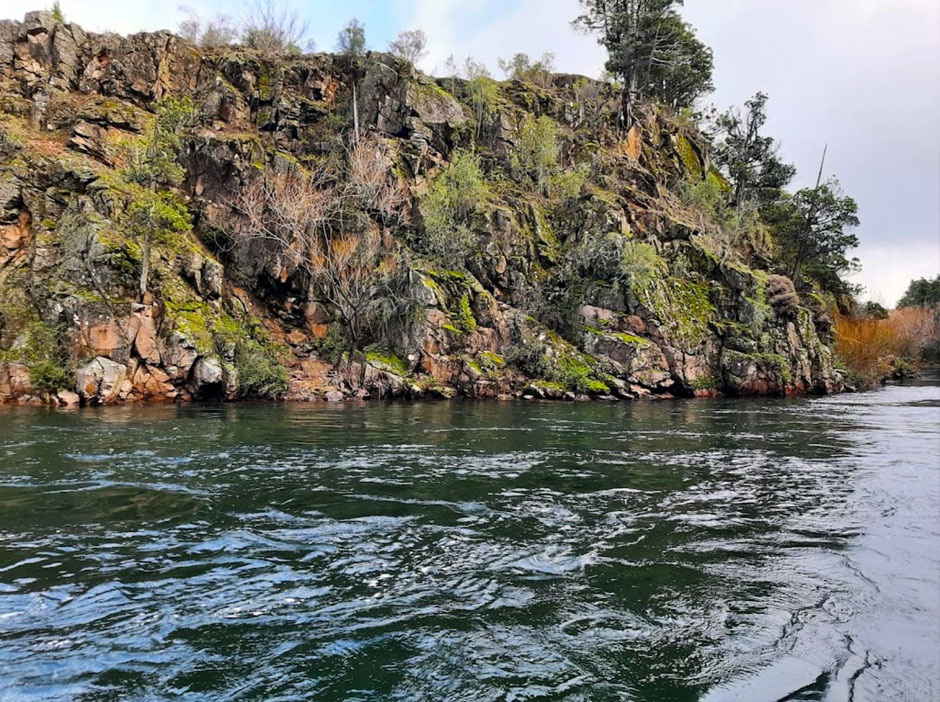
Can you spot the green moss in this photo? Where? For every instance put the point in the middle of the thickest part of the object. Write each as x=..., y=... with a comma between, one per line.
x=465, y=320
x=704, y=382
x=688, y=156
x=388, y=360
x=489, y=358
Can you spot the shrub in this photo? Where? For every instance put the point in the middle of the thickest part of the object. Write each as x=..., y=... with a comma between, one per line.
x=528, y=355
x=535, y=153
x=454, y=197
x=260, y=374
x=781, y=293
x=48, y=377
x=270, y=26
x=465, y=321
x=873, y=348
x=567, y=185
x=207, y=31
x=43, y=353
x=255, y=355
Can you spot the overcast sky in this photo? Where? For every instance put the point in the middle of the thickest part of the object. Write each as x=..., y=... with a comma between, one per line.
x=862, y=76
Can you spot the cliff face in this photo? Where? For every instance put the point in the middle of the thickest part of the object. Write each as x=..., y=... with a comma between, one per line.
x=222, y=315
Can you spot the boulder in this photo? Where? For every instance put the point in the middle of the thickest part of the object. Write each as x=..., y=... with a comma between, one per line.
x=99, y=381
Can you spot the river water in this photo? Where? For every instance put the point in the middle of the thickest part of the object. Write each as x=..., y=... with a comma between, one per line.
x=715, y=550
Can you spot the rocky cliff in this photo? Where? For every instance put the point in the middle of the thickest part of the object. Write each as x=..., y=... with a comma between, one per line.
x=586, y=275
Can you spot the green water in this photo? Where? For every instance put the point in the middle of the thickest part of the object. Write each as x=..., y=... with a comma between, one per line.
x=692, y=550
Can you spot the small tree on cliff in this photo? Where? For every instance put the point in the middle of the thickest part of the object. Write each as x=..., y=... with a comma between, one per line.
x=410, y=44
x=272, y=26
x=327, y=224
x=811, y=228
x=652, y=51
x=748, y=157
x=150, y=174
x=351, y=40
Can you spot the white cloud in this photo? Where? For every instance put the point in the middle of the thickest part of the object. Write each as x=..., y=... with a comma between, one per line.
x=892, y=267
x=488, y=30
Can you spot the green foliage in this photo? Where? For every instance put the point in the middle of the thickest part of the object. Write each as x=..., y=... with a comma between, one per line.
x=641, y=267
x=567, y=185
x=650, y=48
x=57, y=12
x=528, y=355
x=152, y=170
x=704, y=382
x=455, y=196
x=535, y=153
x=154, y=160
x=922, y=292
x=351, y=40
x=748, y=157
x=260, y=373
x=811, y=228
x=521, y=67
x=380, y=355
x=484, y=91
x=157, y=214
x=681, y=307
x=727, y=232
x=333, y=344
x=465, y=320
x=36, y=343
x=872, y=310
x=48, y=377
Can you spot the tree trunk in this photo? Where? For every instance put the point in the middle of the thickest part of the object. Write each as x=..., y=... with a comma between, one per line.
x=144, y=264
x=355, y=113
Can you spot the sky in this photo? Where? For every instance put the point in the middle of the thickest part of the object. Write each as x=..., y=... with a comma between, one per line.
x=859, y=76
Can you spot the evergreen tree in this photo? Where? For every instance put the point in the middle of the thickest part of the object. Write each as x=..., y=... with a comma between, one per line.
x=150, y=174
x=923, y=292
x=650, y=49
x=748, y=157
x=811, y=228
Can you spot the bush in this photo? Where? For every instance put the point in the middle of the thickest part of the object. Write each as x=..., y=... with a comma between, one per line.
x=48, y=377
x=42, y=351
x=535, y=153
x=465, y=321
x=873, y=348
x=260, y=374
x=454, y=197
x=528, y=355
x=781, y=293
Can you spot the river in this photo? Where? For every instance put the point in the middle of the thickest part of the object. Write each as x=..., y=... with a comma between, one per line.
x=714, y=550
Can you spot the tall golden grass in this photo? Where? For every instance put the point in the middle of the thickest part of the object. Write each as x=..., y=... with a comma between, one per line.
x=874, y=349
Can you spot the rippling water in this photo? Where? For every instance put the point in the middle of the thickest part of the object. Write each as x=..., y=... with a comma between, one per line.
x=696, y=550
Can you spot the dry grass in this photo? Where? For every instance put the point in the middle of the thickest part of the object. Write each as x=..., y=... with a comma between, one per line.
x=874, y=349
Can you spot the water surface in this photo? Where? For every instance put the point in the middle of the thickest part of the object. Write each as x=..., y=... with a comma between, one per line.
x=778, y=549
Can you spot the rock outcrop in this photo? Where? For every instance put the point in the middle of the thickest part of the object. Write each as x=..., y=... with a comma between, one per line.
x=224, y=321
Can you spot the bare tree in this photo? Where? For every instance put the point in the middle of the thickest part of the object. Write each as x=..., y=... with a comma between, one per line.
x=410, y=44
x=329, y=225
x=271, y=26
x=217, y=30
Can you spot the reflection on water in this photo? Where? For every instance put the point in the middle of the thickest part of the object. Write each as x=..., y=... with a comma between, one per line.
x=702, y=550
